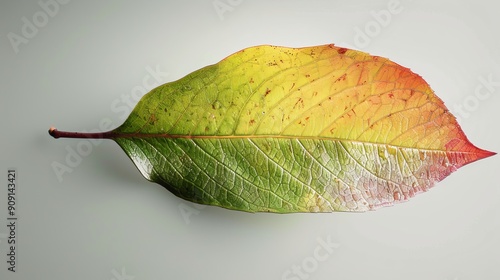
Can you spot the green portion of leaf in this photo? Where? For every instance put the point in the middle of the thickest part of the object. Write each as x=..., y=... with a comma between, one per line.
x=283, y=175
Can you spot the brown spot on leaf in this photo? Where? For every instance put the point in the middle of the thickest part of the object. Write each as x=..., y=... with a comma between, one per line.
x=397, y=196
x=299, y=103
x=421, y=155
x=342, y=50
x=304, y=123
x=152, y=119
x=267, y=91
x=341, y=78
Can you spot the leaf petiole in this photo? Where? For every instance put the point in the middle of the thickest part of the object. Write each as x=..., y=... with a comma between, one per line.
x=89, y=135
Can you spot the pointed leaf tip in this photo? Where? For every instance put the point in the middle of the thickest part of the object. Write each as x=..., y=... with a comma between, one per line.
x=486, y=154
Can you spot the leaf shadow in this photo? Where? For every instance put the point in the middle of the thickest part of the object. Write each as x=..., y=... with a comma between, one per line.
x=110, y=160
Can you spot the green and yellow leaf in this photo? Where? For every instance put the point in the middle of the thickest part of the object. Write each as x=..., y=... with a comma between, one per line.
x=315, y=129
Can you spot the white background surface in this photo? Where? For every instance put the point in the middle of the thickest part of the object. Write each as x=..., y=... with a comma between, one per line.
x=104, y=221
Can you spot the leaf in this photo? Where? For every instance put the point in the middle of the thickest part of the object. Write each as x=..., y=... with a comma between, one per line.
x=315, y=129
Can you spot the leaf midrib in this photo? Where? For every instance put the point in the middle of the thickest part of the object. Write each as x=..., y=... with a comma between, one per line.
x=118, y=135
